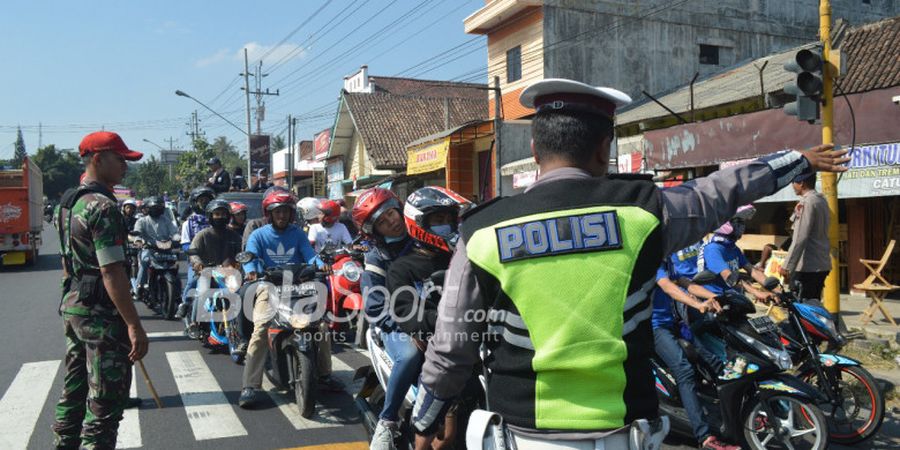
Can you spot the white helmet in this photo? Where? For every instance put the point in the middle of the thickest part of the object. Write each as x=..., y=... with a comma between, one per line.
x=129, y=201
x=309, y=208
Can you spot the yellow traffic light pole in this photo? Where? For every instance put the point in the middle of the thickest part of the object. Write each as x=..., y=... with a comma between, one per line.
x=831, y=294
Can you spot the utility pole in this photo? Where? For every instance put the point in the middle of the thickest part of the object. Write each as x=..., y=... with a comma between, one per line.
x=194, y=128
x=290, y=154
x=246, y=75
x=498, y=123
x=259, y=93
x=171, y=142
x=832, y=294
x=40, y=135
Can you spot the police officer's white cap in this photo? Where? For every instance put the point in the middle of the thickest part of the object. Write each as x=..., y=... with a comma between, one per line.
x=560, y=93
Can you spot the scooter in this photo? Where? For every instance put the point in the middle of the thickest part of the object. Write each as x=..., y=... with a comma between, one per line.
x=756, y=402
x=344, y=295
x=220, y=316
x=297, y=296
x=163, y=285
x=854, y=405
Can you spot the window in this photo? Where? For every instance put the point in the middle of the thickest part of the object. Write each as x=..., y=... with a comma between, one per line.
x=709, y=54
x=513, y=64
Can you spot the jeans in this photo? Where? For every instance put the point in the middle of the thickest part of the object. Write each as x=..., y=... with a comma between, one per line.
x=673, y=356
x=408, y=362
x=190, y=285
x=143, y=263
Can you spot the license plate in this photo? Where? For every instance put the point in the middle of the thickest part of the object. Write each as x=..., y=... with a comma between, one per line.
x=305, y=289
x=13, y=258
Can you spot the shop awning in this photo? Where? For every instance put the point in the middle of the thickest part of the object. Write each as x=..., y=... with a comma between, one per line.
x=522, y=165
x=428, y=156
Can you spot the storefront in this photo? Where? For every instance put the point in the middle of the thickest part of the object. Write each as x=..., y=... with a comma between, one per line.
x=458, y=158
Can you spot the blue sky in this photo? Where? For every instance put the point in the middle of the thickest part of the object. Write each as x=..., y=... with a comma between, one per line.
x=77, y=66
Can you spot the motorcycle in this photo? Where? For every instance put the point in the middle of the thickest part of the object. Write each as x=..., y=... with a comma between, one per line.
x=296, y=294
x=370, y=400
x=219, y=324
x=758, y=404
x=344, y=296
x=854, y=405
x=163, y=288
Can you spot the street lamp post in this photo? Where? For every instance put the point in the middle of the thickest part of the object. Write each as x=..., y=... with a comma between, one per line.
x=184, y=94
x=161, y=149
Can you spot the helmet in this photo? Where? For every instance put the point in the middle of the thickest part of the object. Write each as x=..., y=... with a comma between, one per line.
x=276, y=199
x=429, y=200
x=371, y=205
x=331, y=212
x=130, y=201
x=155, y=205
x=309, y=208
x=217, y=204
x=198, y=193
x=237, y=207
x=214, y=160
x=743, y=214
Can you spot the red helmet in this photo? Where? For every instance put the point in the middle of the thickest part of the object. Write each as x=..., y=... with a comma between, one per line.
x=276, y=199
x=429, y=200
x=331, y=212
x=371, y=205
x=237, y=207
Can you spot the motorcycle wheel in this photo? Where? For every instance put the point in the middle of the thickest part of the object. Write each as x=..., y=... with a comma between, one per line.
x=304, y=386
x=171, y=295
x=803, y=425
x=861, y=409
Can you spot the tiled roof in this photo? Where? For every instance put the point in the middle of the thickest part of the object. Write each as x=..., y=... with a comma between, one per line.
x=403, y=110
x=873, y=58
x=873, y=55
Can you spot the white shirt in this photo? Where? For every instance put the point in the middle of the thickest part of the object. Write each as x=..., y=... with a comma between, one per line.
x=337, y=234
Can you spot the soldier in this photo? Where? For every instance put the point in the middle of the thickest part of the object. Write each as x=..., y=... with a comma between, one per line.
x=104, y=335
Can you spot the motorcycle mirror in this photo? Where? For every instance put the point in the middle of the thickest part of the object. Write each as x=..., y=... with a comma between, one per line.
x=244, y=257
x=704, y=277
x=771, y=283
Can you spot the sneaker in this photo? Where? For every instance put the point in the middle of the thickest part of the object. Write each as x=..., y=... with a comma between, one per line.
x=385, y=433
x=182, y=310
x=132, y=402
x=329, y=383
x=713, y=443
x=248, y=397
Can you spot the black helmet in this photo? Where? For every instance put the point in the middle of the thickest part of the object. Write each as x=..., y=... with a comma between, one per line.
x=217, y=204
x=427, y=201
x=155, y=205
x=214, y=160
x=198, y=193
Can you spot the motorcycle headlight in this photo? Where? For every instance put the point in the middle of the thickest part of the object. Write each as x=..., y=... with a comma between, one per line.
x=351, y=272
x=164, y=245
x=779, y=356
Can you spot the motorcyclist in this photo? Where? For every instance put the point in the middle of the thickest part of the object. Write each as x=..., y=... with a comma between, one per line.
x=253, y=224
x=673, y=281
x=432, y=217
x=213, y=246
x=328, y=229
x=310, y=211
x=276, y=244
x=151, y=228
x=560, y=277
x=129, y=209
x=238, y=218
x=196, y=222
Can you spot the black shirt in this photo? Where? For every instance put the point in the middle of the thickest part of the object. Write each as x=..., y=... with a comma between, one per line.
x=221, y=182
x=414, y=270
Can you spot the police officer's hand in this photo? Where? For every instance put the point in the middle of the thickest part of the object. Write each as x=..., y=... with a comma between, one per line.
x=825, y=158
x=139, y=342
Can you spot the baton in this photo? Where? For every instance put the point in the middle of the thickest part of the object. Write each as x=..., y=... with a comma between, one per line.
x=150, y=384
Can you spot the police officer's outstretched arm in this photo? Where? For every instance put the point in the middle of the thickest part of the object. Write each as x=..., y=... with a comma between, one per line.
x=697, y=207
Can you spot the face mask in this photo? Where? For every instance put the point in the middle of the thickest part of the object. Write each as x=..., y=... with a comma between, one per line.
x=219, y=224
x=442, y=230
x=393, y=239
x=156, y=212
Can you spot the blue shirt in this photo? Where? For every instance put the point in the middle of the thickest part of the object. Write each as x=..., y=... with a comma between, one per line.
x=722, y=255
x=681, y=264
x=273, y=248
x=684, y=261
x=662, y=303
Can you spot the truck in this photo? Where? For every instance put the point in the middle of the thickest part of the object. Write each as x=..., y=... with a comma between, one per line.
x=21, y=214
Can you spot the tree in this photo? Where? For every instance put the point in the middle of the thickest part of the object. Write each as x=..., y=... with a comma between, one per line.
x=20, y=153
x=150, y=177
x=61, y=169
x=277, y=143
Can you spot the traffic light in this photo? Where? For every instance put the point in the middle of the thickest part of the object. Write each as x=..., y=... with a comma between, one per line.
x=807, y=87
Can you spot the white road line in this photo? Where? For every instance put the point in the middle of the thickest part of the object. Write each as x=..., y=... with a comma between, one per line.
x=166, y=334
x=130, y=427
x=343, y=372
x=23, y=401
x=321, y=419
x=210, y=414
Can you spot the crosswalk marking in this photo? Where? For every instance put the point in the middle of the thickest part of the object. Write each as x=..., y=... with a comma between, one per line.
x=321, y=419
x=23, y=401
x=207, y=409
x=343, y=372
x=166, y=334
x=130, y=427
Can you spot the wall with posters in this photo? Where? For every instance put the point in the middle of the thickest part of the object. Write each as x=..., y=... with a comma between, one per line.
x=321, y=143
x=334, y=176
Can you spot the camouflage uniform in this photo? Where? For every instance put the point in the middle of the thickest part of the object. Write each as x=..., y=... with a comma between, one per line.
x=98, y=371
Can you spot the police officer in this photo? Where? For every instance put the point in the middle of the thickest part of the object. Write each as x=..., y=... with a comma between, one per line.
x=103, y=332
x=219, y=181
x=563, y=274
